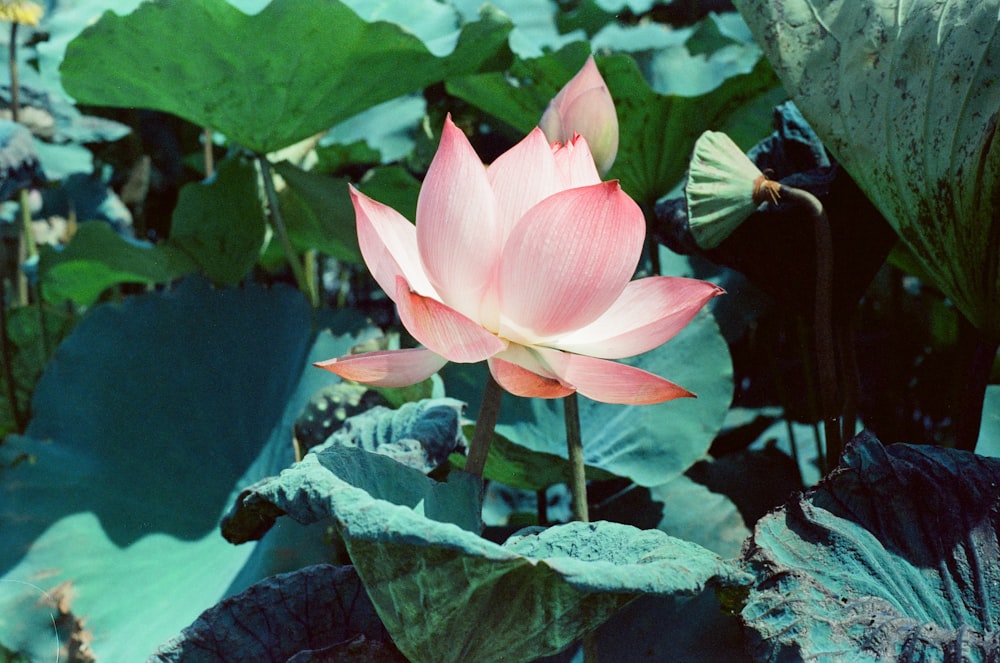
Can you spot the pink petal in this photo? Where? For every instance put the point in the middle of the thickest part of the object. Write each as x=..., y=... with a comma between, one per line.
x=443, y=329
x=609, y=381
x=389, y=245
x=388, y=368
x=527, y=384
x=650, y=312
x=523, y=176
x=592, y=115
x=576, y=163
x=458, y=233
x=569, y=259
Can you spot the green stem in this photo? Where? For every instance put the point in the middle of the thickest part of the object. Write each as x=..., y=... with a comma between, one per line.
x=826, y=361
x=8, y=367
x=489, y=412
x=574, y=450
x=278, y=225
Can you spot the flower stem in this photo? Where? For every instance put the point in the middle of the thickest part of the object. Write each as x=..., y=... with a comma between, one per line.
x=823, y=320
x=278, y=224
x=489, y=411
x=574, y=450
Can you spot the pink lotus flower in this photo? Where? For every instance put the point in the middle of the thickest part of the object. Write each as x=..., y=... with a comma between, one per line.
x=525, y=264
x=584, y=106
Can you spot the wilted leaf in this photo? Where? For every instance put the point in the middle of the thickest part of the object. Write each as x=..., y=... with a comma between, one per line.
x=435, y=584
x=893, y=556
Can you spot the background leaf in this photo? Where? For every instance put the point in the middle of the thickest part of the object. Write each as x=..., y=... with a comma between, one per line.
x=220, y=224
x=148, y=418
x=648, y=444
x=258, y=97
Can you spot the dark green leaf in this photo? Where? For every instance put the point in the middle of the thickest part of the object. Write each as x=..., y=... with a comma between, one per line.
x=98, y=258
x=320, y=608
x=519, y=467
x=312, y=65
x=393, y=186
x=221, y=224
x=894, y=556
x=318, y=213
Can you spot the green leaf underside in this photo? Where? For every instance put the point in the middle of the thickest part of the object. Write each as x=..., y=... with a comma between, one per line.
x=905, y=95
x=434, y=583
x=839, y=570
x=312, y=66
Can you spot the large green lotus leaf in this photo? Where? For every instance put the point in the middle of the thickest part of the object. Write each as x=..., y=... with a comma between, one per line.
x=905, y=95
x=148, y=417
x=265, y=81
x=319, y=608
x=895, y=556
x=649, y=444
x=220, y=224
x=435, y=584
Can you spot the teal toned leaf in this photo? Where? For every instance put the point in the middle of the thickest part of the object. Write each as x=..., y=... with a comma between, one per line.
x=649, y=444
x=433, y=583
x=149, y=416
x=221, y=224
x=318, y=213
x=326, y=604
x=989, y=430
x=319, y=64
x=893, y=556
x=905, y=96
x=420, y=435
x=98, y=258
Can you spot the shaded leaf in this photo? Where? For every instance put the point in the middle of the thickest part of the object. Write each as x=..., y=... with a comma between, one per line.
x=519, y=467
x=98, y=258
x=260, y=97
x=145, y=420
x=434, y=584
x=319, y=608
x=893, y=556
x=220, y=224
x=318, y=213
x=905, y=95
